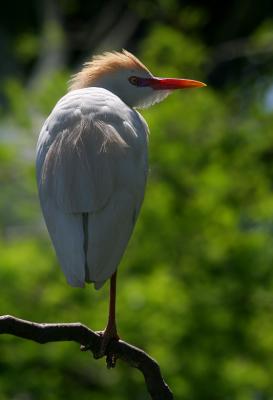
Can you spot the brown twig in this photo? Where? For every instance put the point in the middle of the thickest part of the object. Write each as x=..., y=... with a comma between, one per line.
x=90, y=340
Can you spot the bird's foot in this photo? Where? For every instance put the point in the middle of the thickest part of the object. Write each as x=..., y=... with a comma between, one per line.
x=107, y=336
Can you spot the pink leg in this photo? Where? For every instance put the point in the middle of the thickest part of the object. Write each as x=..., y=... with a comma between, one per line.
x=110, y=331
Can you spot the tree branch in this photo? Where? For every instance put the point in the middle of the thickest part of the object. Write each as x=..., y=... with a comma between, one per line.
x=90, y=340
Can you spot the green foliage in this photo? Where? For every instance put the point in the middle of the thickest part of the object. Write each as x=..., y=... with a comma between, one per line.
x=18, y=102
x=195, y=286
x=164, y=43
x=51, y=88
x=26, y=47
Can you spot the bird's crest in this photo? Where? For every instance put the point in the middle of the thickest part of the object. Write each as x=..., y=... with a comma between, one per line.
x=103, y=64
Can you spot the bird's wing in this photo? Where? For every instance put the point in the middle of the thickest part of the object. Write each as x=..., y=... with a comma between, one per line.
x=77, y=169
x=91, y=166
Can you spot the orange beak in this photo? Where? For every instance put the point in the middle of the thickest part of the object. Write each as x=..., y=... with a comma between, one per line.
x=172, y=83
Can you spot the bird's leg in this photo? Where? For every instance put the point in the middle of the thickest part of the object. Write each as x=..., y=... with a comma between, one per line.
x=110, y=332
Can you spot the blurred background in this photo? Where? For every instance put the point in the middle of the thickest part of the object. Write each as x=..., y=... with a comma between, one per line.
x=195, y=287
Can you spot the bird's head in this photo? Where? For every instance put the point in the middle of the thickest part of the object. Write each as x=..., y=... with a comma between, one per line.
x=124, y=75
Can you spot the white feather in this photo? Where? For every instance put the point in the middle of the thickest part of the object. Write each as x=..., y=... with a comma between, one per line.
x=91, y=158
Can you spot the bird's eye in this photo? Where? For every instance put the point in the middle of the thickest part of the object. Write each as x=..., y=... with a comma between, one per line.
x=133, y=80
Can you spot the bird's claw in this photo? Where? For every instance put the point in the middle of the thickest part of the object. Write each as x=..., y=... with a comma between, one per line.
x=106, y=338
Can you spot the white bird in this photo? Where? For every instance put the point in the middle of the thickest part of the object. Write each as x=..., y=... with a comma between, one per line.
x=92, y=167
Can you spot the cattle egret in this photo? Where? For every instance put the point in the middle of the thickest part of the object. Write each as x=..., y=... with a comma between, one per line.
x=92, y=167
